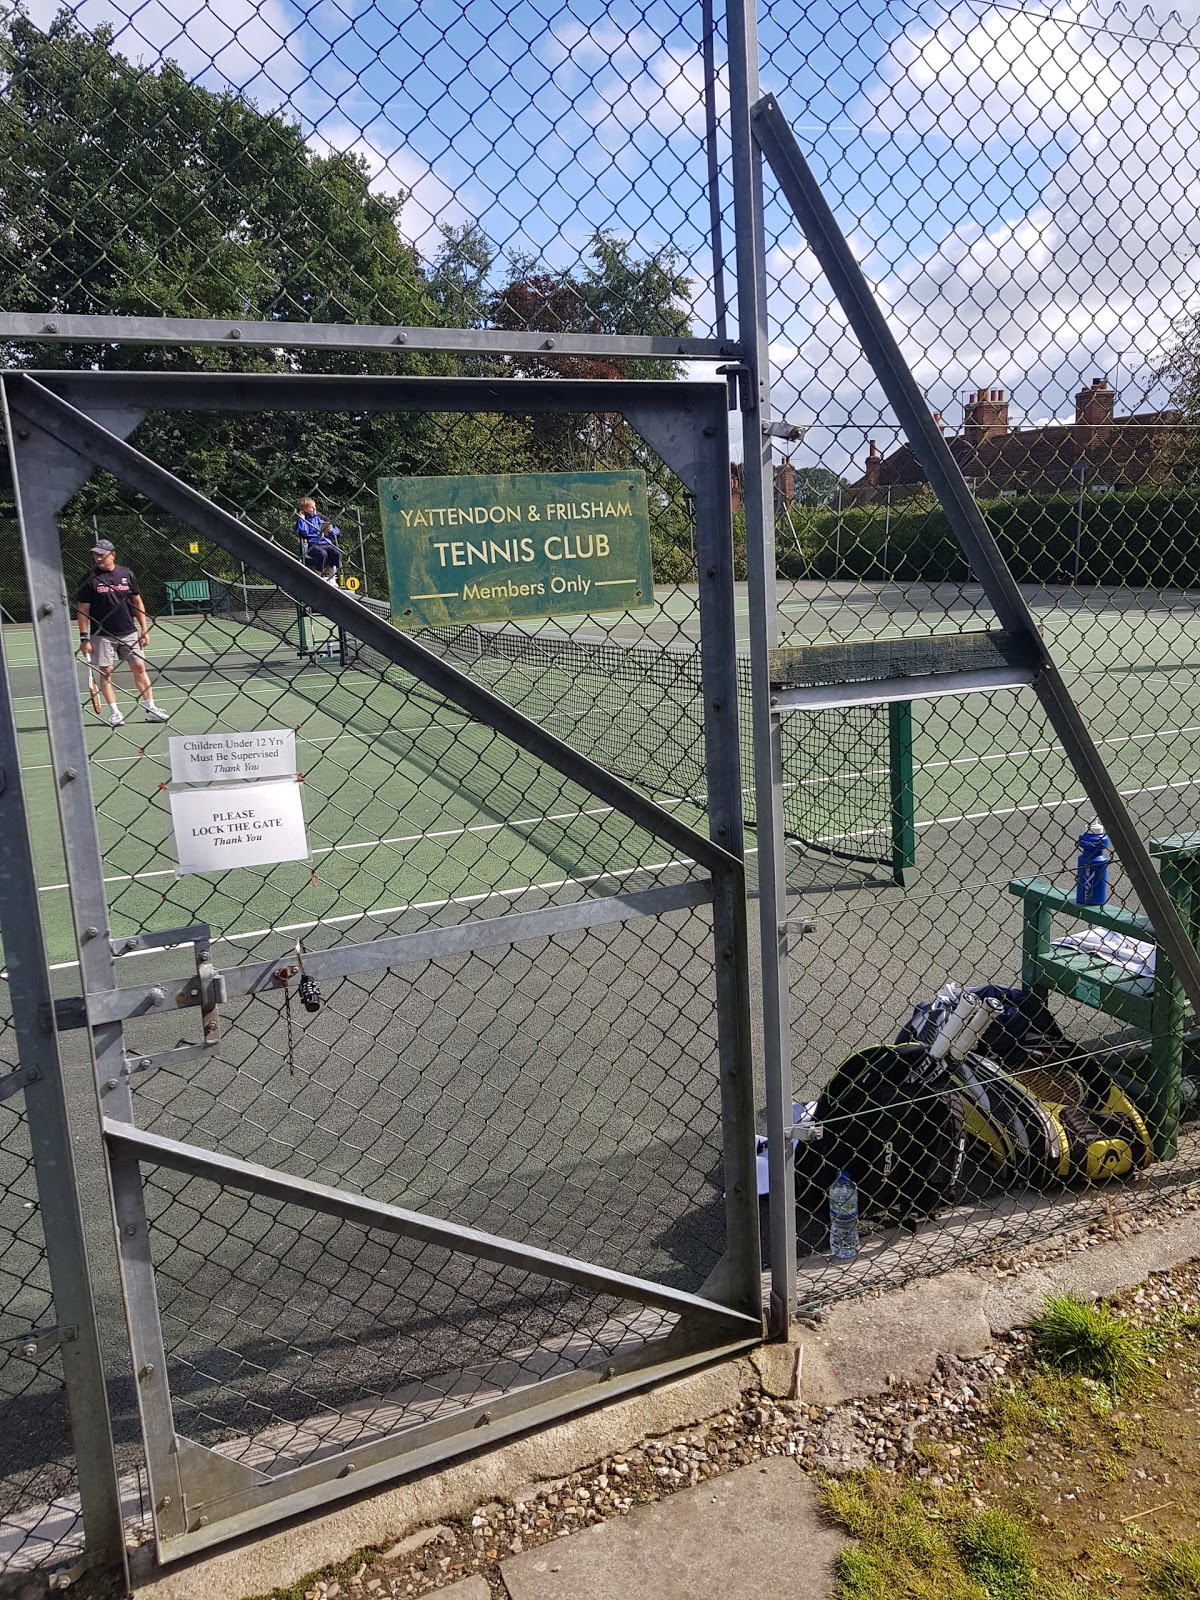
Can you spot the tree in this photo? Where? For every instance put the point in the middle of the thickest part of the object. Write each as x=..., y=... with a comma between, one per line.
x=617, y=293
x=132, y=190
x=129, y=190
x=1176, y=456
x=817, y=486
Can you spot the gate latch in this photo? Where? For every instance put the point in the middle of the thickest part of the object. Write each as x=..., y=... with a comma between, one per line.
x=206, y=988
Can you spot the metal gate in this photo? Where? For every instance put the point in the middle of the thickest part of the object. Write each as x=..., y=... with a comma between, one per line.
x=503, y=1168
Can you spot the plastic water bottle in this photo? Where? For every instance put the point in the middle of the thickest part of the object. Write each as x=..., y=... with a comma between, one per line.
x=1091, y=871
x=843, y=1219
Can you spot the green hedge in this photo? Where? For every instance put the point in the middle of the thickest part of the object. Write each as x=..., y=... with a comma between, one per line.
x=1133, y=539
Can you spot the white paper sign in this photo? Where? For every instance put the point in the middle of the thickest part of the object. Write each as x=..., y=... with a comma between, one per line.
x=247, y=825
x=218, y=757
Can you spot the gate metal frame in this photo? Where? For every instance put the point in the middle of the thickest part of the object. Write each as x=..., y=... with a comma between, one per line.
x=60, y=425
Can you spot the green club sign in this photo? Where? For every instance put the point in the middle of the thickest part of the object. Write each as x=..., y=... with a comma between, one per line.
x=515, y=545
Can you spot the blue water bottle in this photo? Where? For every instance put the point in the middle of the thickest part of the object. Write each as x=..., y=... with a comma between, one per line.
x=1091, y=871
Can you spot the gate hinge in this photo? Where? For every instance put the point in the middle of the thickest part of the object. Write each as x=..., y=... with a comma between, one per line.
x=14, y=1081
x=741, y=375
x=65, y=1014
x=36, y=1341
x=67, y=1572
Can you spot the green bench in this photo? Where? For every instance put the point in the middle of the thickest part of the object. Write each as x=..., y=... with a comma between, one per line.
x=1160, y=1010
x=188, y=594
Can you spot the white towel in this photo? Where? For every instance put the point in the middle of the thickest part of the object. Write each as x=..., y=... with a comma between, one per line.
x=1118, y=949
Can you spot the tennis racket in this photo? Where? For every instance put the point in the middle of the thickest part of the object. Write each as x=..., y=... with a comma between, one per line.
x=94, y=692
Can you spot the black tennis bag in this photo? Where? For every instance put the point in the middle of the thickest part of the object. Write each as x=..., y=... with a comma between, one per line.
x=895, y=1126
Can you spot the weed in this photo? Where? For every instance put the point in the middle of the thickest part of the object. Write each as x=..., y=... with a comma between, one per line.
x=1177, y=1575
x=1062, y=1589
x=1133, y=1542
x=1126, y=1437
x=863, y=1575
x=1073, y=1336
x=997, y=1552
x=850, y=1501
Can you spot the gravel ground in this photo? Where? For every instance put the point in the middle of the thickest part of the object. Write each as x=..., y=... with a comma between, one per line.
x=928, y=1428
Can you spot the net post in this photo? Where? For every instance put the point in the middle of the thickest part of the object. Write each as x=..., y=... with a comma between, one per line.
x=903, y=801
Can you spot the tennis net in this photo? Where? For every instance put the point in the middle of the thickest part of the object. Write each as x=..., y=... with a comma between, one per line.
x=637, y=709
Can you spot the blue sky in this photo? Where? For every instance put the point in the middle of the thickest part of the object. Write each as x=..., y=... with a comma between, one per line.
x=1019, y=181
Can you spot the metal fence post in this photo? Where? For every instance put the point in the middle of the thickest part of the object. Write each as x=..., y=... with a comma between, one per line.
x=44, y=472
x=69, y=1160
x=758, y=499
x=718, y=658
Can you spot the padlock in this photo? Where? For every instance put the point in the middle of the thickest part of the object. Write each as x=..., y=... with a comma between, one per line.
x=310, y=993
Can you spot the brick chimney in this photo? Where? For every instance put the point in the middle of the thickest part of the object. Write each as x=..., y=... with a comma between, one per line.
x=985, y=416
x=1094, y=408
x=871, y=480
x=735, y=485
x=785, y=484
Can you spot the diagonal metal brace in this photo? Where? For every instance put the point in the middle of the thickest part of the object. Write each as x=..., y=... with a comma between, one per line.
x=828, y=244
x=250, y=1178
x=80, y=433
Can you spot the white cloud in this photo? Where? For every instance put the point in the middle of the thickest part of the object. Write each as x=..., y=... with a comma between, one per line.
x=993, y=72
x=253, y=46
x=1085, y=278
x=429, y=205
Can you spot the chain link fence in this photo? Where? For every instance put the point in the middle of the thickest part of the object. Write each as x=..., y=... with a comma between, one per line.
x=40, y=1521
x=563, y=1091
x=1020, y=187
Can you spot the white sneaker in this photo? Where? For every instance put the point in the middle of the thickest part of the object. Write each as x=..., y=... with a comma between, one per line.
x=154, y=714
x=115, y=719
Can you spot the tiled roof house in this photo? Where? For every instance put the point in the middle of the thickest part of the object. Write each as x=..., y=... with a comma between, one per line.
x=1105, y=450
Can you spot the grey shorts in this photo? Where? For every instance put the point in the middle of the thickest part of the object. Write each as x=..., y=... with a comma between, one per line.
x=107, y=652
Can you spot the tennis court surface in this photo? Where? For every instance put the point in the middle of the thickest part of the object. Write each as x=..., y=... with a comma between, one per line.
x=564, y=1089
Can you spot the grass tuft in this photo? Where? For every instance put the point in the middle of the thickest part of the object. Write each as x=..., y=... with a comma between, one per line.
x=1075, y=1337
x=1177, y=1575
x=997, y=1552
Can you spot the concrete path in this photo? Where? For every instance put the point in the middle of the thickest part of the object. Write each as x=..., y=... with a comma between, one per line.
x=472, y=1588
x=761, y=1522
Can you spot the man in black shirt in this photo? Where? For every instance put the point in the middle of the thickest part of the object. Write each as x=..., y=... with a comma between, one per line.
x=113, y=627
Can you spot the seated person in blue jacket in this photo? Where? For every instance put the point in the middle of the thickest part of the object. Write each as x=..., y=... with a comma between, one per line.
x=318, y=539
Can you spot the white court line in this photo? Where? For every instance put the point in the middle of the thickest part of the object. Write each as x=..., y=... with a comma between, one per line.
x=1055, y=805
x=516, y=891
x=1012, y=811
x=234, y=689
x=1108, y=742
x=400, y=838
